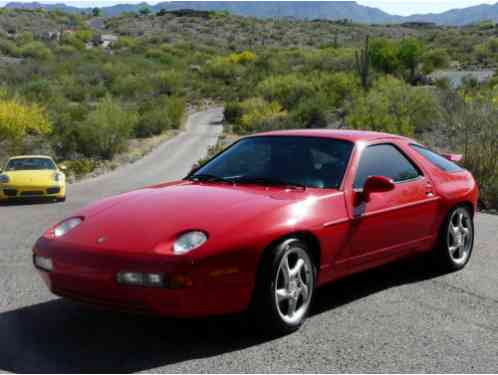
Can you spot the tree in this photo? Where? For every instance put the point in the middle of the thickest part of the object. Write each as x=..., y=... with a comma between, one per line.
x=144, y=11
x=384, y=55
x=411, y=52
x=18, y=120
x=96, y=12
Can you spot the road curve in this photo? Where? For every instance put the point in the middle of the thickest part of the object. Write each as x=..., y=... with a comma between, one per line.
x=400, y=318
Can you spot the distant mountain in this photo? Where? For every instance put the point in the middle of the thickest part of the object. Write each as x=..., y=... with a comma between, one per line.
x=332, y=10
x=460, y=17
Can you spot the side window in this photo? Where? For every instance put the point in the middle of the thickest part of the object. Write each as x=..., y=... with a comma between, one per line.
x=384, y=160
x=439, y=161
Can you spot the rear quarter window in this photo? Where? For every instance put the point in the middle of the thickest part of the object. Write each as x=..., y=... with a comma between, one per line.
x=434, y=158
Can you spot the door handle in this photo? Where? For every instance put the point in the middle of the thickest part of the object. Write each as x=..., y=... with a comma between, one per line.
x=429, y=191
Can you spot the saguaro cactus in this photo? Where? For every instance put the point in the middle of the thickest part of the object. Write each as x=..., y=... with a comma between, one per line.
x=363, y=64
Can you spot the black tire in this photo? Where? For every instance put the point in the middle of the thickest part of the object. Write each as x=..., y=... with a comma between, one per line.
x=264, y=312
x=455, y=247
x=63, y=199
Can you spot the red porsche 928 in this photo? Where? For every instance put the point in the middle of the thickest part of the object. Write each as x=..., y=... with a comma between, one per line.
x=264, y=223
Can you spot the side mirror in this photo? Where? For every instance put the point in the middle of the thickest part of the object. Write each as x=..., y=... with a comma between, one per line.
x=376, y=184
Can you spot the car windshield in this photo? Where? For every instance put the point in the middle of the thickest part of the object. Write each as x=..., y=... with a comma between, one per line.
x=30, y=164
x=281, y=160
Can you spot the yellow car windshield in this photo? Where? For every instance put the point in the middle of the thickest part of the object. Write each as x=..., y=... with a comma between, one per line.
x=30, y=164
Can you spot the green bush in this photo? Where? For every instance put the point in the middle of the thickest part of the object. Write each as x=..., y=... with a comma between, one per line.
x=165, y=113
x=311, y=112
x=286, y=89
x=384, y=55
x=36, y=50
x=106, y=130
x=395, y=107
x=258, y=114
x=79, y=168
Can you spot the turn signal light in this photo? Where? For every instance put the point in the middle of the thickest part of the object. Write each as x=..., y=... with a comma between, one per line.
x=153, y=280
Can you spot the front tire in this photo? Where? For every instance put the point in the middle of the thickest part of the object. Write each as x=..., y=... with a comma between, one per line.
x=456, y=240
x=284, y=288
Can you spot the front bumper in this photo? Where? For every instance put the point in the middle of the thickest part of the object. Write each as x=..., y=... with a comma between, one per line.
x=17, y=192
x=90, y=278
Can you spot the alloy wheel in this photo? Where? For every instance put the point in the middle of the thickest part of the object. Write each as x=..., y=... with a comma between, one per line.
x=294, y=285
x=460, y=236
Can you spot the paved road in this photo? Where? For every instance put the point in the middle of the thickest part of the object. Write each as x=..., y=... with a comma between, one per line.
x=400, y=318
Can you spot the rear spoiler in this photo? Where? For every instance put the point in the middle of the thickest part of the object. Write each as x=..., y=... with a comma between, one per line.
x=453, y=157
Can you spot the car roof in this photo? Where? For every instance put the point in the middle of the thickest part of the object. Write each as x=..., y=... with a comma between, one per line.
x=30, y=156
x=342, y=134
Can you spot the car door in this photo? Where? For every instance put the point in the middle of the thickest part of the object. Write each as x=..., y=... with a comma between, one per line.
x=395, y=222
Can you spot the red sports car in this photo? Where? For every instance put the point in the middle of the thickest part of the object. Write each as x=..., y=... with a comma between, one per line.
x=262, y=224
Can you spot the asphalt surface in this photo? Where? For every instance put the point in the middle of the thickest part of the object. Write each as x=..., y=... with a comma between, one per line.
x=399, y=318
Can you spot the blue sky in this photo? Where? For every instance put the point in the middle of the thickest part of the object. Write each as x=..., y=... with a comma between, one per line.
x=392, y=6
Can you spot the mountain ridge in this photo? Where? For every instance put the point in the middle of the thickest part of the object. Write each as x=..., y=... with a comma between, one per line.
x=331, y=10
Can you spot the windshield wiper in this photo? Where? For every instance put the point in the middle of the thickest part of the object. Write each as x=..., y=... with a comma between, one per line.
x=208, y=178
x=266, y=181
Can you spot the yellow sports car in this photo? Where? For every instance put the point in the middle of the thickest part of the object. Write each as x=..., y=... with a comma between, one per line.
x=32, y=177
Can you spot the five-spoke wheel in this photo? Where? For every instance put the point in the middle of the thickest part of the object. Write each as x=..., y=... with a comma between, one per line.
x=285, y=286
x=293, y=285
x=457, y=239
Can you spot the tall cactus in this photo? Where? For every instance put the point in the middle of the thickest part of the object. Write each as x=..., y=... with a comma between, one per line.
x=363, y=64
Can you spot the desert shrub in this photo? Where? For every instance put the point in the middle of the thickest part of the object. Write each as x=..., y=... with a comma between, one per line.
x=222, y=68
x=73, y=41
x=105, y=131
x=24, y=38
x=311, y=112
x=19, y=119
x=36, y=50
x=337, y=87
x=38, y=90
x=232, y=112
x=384, y=55
x=244, y=57
x=394, y=107
x=286, y=89
x=9, y=48
x=435, y=59
x=169, y=82
x=125, y=42
x=470, y=124
x=165, y=113
x=132, y=86
x=79, y=168
x=258, y=114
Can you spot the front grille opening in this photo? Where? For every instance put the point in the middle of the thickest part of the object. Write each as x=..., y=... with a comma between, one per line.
x=31, y=193
x=53, y=190
x=10, y=192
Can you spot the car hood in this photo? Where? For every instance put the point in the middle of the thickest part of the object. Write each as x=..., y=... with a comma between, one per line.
x=31, y=178
x=150, y=219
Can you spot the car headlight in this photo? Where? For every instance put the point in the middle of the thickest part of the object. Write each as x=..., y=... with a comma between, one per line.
x=189, y=241
x=4, y=179
x=58, y=177
x=64, y=227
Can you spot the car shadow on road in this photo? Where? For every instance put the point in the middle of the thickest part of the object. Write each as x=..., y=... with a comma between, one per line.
x=28, y=202
x=60, y=336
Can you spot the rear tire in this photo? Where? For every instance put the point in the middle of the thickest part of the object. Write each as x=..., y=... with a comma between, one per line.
x=284, y=288
x=60, y=200
x=456, y=240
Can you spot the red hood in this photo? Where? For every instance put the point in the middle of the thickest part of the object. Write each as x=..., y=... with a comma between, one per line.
x=150, y=219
